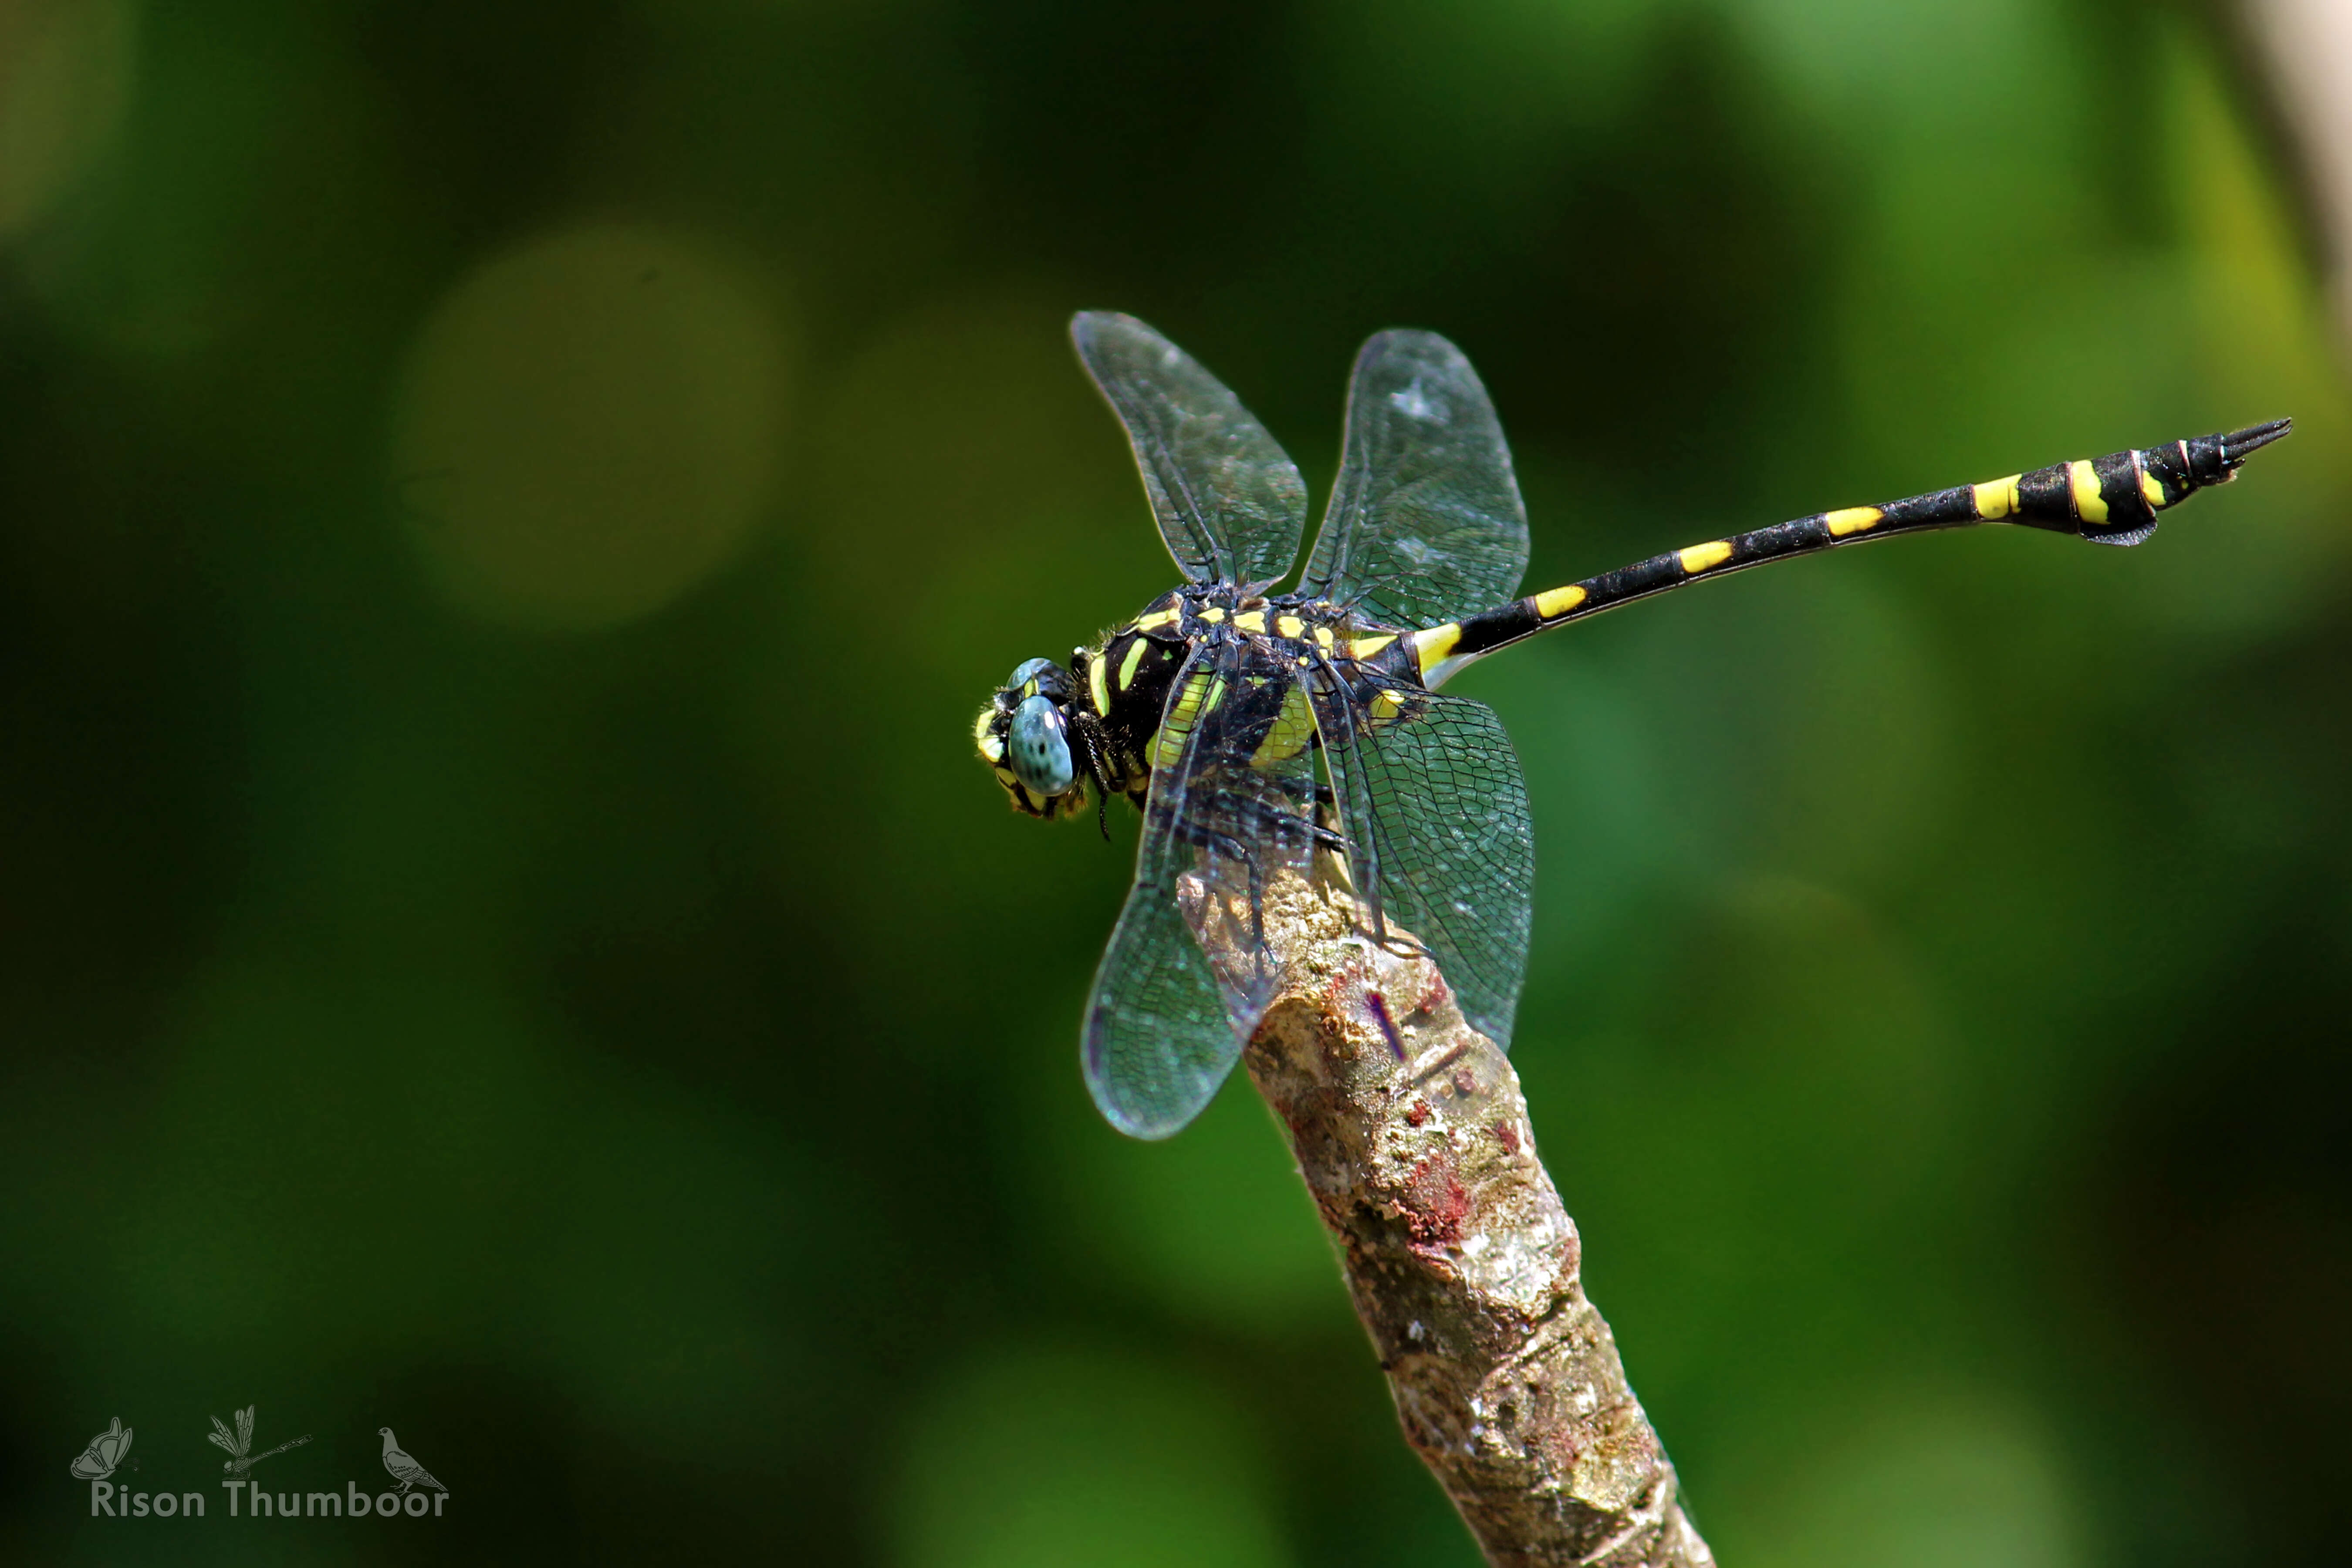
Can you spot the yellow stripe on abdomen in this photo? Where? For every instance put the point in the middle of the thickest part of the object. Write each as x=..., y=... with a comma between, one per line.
x=1699, y=558
x=1431, y=646
x=1555, y=602
x=2082, y=481
x=1997, y=499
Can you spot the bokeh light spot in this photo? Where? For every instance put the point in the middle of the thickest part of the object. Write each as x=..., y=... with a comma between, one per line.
x=1032, y=1458
x=588, y=426
x=65, y=80
x=1214, y=1225
x=1934, y=1484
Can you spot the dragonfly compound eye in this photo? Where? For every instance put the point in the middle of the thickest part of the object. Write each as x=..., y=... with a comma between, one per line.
x=1041, y=670
x=1037, y=749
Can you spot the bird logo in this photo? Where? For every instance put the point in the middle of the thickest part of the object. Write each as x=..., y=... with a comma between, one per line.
x=105, y=1451
x=406, y=1470
x=236, y=1444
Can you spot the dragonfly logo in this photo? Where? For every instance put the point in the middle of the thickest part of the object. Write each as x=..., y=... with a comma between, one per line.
x=238, y=1443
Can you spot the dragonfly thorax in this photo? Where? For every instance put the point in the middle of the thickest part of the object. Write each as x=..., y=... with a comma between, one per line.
x=1059, y=738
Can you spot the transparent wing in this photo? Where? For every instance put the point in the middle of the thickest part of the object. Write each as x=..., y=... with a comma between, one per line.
x=1231, y=504
x=1436, y=817
x=1425, y=523
x=1230, y=805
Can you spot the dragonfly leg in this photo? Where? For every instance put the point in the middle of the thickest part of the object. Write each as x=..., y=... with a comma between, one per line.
x=1323, y=837
x=1251, y=821
x=1326, y=827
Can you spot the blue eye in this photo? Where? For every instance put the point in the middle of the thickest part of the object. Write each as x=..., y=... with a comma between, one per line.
x=1037, y=748
x=1029, y=670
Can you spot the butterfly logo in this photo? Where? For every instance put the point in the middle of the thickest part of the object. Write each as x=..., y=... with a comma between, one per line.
x=105, y=1451
x=235, y=1444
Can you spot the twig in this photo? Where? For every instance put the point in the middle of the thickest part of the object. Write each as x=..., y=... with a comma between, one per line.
x=1461, y=1259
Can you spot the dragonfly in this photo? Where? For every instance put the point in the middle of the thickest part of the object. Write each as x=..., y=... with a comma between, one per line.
x=1268, y=734
x=236, y=1444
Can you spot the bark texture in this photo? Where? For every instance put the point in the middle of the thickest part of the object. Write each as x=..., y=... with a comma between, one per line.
x=1411, y=1131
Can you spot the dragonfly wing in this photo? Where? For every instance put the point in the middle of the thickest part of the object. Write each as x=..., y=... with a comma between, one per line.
x=1437, y=816
x=1231, y=808
x=1159, y=1038
x=1425, y=523
x=1231, y=504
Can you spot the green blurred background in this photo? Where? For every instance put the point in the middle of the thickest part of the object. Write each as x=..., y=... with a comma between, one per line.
x=508, y=509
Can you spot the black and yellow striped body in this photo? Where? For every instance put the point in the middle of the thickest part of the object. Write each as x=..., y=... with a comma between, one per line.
x=1271, y=736
x=1118, y=698
x=2112, y=500
x=1116, y=695
x=1127, y=680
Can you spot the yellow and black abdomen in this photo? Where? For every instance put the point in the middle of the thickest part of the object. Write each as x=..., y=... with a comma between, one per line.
x=2112, y=500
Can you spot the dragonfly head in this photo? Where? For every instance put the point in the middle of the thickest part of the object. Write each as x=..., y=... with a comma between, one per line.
x=1025, y=737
